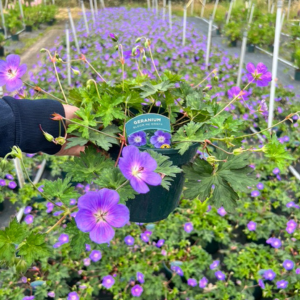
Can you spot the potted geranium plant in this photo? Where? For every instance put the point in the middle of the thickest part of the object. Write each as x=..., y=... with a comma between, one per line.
x=297, y=63
x=14, y=26
x=233, y=32
x=2, y=40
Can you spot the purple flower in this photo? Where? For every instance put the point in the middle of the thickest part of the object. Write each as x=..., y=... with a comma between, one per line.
x=297, y=271
x=129, y=240
x=160, y=243
x=255, y=193
x=251, y=226
x=12, y=185
x=99, y=212
x=56, y=245
x=86, y=262
x=136, y=291
x=2, y=182
x=51, y=294
x=40, y=189
x=203, y=282
x=24, y=279
x=261, y=283
x=160, y=138
x=269, y=274
x=73, y=201
x=95, y=255
x=11, y=72
x=63, y=238
x=177, y=270
x=282, y=284
x=188, y=227
x=276, y=171
x=138, y=167
x=164, y=252
x=290, y=204
x=108, y=281
x=263, y=108
x=113, y=37
x=27, y=210
x=260, y=186
x=57, y=213
x=214, y=264
x=288, y=264
x=259, y=75
x=276, y=243
x=50, y=207
x=73, y=296
x=292, y=224
x=87, y=247
x=140, y=277
x=144, y=237
x=235, y=91
x=221, y=211
x=192, y=282
x=220, y=275
x=28, y=298
x=28, y=219
x=290, y=230
x=137, y=139
x=208, y=208
x=9, y=177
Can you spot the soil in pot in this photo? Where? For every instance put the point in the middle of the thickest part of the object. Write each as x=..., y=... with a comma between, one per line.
x=250, y=48
x=297, y=75
x=158, y=203
x=2, y=52
x=233, y=43
x=14, y=37
x=28, y=28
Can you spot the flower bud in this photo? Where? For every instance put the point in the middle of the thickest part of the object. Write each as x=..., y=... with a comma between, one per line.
x=113, y=37
x=89, y=83
x=144, y=58
x=48, y=136
x=147, y=43
x=211, y=159
x=138, y=39
x=60, y=140
x=117, y=47
x=76, y=72
x=238, y=151
x=207, y=88
x=216, y=78
x=43, y=50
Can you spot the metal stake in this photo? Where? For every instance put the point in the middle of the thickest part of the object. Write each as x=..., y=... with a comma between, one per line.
x=243, y=50
x=84, y=17
x=208, y=42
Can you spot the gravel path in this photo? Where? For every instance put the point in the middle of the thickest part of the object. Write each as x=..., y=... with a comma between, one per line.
x=285, y=73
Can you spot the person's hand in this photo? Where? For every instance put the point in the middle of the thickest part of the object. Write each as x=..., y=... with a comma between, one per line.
x=73, y=151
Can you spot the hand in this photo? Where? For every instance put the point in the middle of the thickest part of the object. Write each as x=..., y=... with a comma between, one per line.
x=73, y=151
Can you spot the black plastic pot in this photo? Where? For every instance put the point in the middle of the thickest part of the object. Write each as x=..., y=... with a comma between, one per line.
x=2, y=53
x=158, y=203
x=28, y=28
x=218, y=31
x=14, y=37
x=293, y=57
x=271, y=48
x=50, y=23
x=250, y=48
x=1, y=206
x=297, y=75
x=2, y=30
x=233, y=43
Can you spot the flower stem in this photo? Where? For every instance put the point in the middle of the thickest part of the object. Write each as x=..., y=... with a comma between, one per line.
x=213, y=71
x=91, y=66
x=56, y=224
x=149, y=47
x=123, y=184
x=123, y=65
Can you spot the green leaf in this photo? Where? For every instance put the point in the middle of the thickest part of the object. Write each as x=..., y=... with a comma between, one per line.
x=61, y=189
x=165, y=167
x=276, y=152
x=229, y=178
x=109, y=109
x=34, y=247
x=149, y=89
x=76, y=141
x=11, y=236
x=88, y=166
x=112, y=178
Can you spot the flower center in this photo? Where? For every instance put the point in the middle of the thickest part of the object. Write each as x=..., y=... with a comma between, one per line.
x=138, y=139
x=11, y=73
x=161, y=139
x=256, y=75
x=136, y=170
x=100, y=216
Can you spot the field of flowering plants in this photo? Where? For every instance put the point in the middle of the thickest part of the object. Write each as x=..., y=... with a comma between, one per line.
x=208, y=210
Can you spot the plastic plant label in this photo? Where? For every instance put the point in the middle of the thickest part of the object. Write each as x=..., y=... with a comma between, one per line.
x=151, y=130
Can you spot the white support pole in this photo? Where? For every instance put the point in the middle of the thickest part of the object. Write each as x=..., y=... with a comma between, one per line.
x=208, y=42
x=170, y=15
x=3, y=19
x=92, y=11
x=164, y=9
x=192, y=8
x=153, y=6
x=73, y=30
x=68, y=55
x=156, y=7
x=215, y=9
x=84, y=17
x=203, y=8
x=184, y=25
x=148, y=4
x=22, y=13
x=251, y=14
x=102, y=4
x=53, y=2
x=96, y=7
x=242, y=57
x=272, y=8
x=269, y=6
x=45, y=2
x=275, y=62
x=229, y=12
x=288, y=10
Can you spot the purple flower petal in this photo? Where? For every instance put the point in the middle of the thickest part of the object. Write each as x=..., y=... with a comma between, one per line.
x=102, y=233
x=118, y=216
x=85, y=220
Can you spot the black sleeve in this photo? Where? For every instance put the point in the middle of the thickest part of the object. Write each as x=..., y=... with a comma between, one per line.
x=19, y=125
